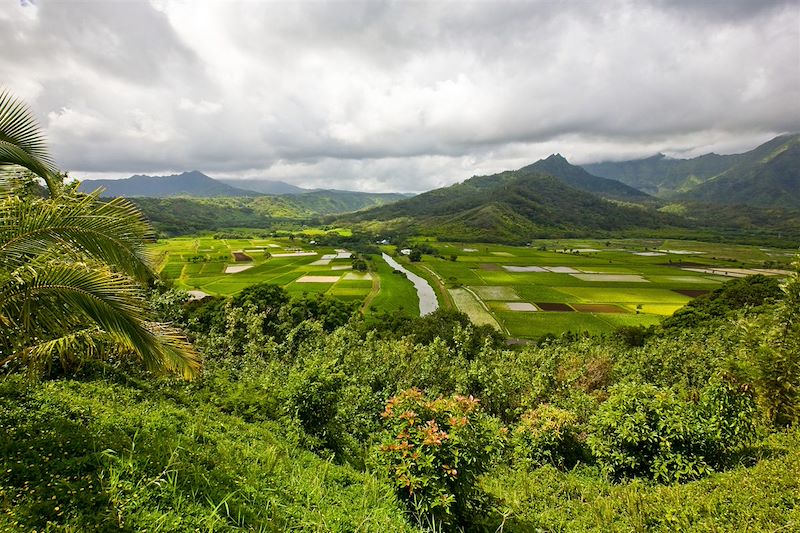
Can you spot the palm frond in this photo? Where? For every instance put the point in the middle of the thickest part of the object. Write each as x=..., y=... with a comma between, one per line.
x=68, y=348
x=110, y=232
x=38, y=300
x=22, y=142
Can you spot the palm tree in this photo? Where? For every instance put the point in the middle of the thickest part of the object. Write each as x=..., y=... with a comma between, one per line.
x=72, y=268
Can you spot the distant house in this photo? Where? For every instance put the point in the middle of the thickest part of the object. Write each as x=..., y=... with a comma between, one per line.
x=406, y=251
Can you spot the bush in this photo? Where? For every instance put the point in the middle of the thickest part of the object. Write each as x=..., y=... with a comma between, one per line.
x=434, y=451
x=642, y=430
x=312, y=399
x=729, y=414
x=547, y=435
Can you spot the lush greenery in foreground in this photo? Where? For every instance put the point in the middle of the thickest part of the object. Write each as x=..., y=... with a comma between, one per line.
x=308, y=419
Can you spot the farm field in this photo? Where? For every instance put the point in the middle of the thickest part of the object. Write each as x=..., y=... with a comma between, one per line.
x=222, y=267
x=588, y=285
x=525, y=292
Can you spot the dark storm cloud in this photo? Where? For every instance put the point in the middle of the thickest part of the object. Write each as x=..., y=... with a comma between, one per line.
x=398, y=95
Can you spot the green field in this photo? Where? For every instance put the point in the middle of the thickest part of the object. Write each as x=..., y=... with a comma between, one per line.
x=585, y=285
x=525, y=292
x=200, y=264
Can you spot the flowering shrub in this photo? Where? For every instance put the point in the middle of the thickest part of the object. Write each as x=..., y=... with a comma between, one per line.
x=434, y=450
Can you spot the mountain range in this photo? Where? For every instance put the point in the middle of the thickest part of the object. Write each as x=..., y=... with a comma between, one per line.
x=755, y=190
x=756, y=193
x=548, y=198
x=767, y=176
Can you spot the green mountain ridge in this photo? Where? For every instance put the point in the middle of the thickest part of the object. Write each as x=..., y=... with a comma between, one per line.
x=677, y=178
x=771, y=181
x=574, y=176
x=264, y=186
x=511, y=206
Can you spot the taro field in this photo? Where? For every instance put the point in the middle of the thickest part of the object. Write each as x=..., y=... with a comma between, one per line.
x=217, y=267
x=585, y=285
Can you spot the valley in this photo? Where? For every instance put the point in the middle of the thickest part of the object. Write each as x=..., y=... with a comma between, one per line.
x=525, y=292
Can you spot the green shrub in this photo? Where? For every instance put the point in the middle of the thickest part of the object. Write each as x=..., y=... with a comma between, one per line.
x=312, y=398
x=547, y=435
x=728, y=411
x=642, y=430
x=770, y=355
x=434, y=451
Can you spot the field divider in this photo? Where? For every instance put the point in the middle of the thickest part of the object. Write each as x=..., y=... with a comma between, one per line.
x=374, y=291
x=486, y=308
x=438, y=283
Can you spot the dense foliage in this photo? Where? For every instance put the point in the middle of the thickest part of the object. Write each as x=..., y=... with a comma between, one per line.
x=185, y=216
x=310, y=417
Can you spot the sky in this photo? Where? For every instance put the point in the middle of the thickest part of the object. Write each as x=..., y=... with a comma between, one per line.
x=396, y=96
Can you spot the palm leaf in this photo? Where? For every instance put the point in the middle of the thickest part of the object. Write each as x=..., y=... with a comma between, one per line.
x=22, y=142
x=111, y=232
x=38, y=300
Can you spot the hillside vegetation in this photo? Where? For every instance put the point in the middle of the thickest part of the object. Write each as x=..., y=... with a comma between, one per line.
x=511, y=206
x=759, y=177
x=184, y=216
x=310, y=420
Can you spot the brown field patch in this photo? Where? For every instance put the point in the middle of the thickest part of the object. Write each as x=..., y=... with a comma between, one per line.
x=598, y=308
x=691, y=293
x=554, y=307
x=490, y=267
x=241, y=256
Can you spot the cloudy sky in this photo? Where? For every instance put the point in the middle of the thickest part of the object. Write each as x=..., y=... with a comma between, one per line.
x=397, y=96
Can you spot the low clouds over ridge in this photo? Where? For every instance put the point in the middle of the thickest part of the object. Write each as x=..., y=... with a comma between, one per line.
x=397, y=96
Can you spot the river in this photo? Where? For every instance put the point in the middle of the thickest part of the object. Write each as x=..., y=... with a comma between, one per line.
x=427, y=298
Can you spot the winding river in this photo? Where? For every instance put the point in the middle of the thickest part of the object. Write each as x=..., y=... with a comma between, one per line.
x=427, y=298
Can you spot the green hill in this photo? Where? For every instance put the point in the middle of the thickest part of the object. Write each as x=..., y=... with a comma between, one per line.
x=771, y=181
x=510, y=206
x=179, y=216
x=663, y=176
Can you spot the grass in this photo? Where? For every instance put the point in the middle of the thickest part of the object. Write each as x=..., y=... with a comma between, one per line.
x=644, y=302
x=198, y=263
x=104, y=456
x=397, y=294
x=764, y=497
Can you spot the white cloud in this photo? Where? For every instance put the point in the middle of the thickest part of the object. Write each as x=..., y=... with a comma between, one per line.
x=398, y=96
